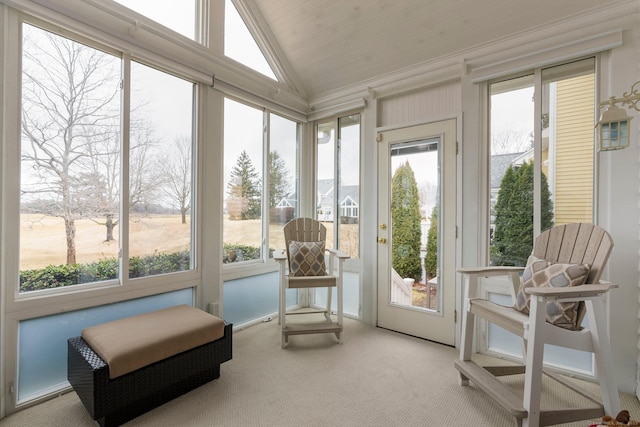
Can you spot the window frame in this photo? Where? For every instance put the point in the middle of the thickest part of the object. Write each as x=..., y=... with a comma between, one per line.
x=141, y=16
x=149, y=44
x=17, y=307
x=48, y=301
x=498, y=287
x=536, y=73
x=336, y=208
x=265, y=264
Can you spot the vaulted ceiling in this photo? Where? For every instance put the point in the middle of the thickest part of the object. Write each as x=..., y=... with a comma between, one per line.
x=333, y=44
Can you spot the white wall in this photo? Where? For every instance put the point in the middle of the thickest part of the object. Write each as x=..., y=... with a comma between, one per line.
x=441, y=100
x=619, y=212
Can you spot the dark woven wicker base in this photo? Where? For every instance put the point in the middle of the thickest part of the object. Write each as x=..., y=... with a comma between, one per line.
x=114, y=402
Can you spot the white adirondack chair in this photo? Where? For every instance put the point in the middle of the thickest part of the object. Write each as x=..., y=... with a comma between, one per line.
x=312, y=232
x=567, y=244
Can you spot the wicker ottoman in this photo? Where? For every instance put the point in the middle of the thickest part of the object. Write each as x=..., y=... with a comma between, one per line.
x=114, y=401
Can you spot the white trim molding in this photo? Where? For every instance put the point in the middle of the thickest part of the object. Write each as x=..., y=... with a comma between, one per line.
x=541, y=54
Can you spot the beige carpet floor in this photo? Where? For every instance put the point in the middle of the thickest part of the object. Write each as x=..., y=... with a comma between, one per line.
x=375, y=378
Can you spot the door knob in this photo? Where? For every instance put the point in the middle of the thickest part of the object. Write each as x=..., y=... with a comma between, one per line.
x=382, y=240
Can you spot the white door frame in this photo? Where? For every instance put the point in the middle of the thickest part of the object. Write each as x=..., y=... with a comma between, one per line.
x=438, y=326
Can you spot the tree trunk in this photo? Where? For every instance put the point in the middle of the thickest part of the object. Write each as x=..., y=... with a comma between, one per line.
x=184, y=215
x=70, y=229
x=110, y=226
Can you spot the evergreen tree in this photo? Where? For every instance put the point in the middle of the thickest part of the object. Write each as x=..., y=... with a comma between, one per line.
x=405, y=214
x=513, y=236
x=245, y=200
x=278, y=182
x=546, y=208
x=431, y=257
x=503, y=219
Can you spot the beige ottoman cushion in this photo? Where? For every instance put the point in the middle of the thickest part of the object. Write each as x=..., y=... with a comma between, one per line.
x=134, y=342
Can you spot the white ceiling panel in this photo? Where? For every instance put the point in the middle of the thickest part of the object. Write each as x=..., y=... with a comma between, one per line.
x=333, y=44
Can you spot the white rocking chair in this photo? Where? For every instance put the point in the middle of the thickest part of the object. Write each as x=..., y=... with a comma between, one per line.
x=567, y=244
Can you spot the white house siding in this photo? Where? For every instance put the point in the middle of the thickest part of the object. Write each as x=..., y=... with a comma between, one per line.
x=573, y=192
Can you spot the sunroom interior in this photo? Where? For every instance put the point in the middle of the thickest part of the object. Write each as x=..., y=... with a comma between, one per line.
x=152, y=155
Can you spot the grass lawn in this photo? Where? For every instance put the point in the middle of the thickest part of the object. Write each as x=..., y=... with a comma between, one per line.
x=43, y=239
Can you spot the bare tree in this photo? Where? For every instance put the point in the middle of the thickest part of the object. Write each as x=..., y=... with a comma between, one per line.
x=102, y=188
x=71, y=135
x=144, y=171
x=177, y=182
x=506, y=140
x=103, y=185
x=70, y=104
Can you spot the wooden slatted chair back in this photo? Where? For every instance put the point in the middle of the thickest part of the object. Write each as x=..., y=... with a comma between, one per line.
x=304, y=230
x=576, y=243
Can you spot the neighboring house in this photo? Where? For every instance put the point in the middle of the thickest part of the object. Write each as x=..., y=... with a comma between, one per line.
x=324, y=199
x=348, y=203
x=570, y=149
x=284, y=211
x=499, y=165
x=286, y=202
x=349, y=208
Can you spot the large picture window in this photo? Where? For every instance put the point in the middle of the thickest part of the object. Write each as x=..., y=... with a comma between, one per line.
x=284, y=176
x=542, y=174
x=160, y=172
x=257, y=203
x=70, y=188
x=73, y=166
x=545, y=176
x=338, y=182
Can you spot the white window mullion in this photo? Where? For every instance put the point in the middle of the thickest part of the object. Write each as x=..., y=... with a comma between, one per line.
x=537, y=149
x=10, y=217
x=336, y=184
x=10, y=129
x=266, y=149
x=551, y=160
x=124, y=168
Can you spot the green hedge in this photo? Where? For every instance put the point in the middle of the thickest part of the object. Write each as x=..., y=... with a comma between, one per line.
x=57, y=276
x=52, y=276
x=238, y=253
x=158, y=264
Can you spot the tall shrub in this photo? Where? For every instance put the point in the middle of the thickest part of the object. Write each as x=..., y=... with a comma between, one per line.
x=513, y=236
x=405, y=223
x=431, y=257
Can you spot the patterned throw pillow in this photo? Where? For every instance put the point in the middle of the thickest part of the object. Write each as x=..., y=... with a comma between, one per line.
x=306, y=259
x=539, y=273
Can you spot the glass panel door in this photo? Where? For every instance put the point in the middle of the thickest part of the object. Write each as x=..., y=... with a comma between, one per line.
x=416, y=231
